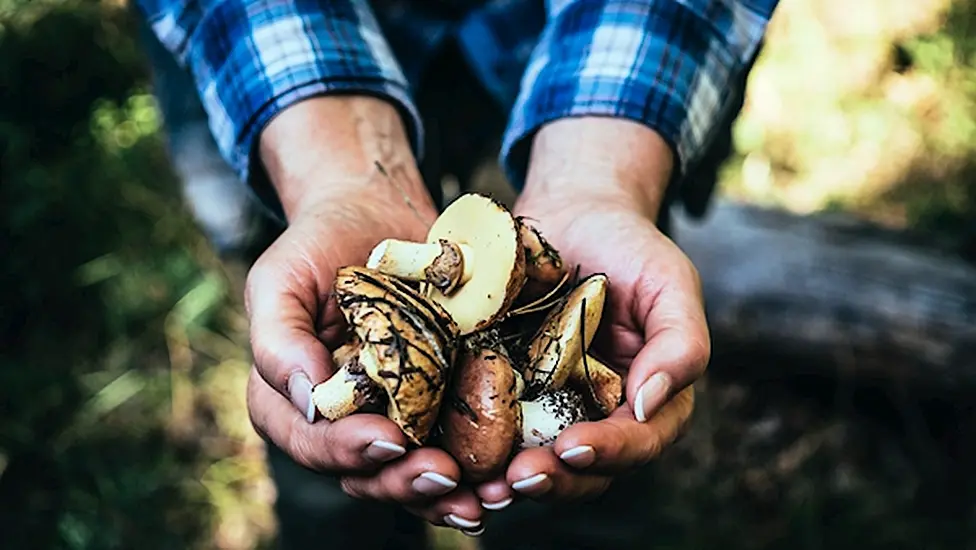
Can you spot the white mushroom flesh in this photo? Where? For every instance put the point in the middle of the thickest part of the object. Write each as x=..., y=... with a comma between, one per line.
x=497, y=259
x=444, y=264
x=545, y=417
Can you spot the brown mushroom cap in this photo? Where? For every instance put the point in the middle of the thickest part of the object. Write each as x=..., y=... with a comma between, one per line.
x=481, y=419
x=600, y=385
x=565, y=336
x=408, y=344
x=558, y=354
x=544, y=267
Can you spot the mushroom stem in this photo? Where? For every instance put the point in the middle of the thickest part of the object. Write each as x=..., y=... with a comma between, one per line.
x=348, y=390
x=601, y=386
x=546, y=416
x=444, y=264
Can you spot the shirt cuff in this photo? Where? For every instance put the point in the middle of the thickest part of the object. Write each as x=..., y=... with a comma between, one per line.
x=657, y=63
x=252, y=60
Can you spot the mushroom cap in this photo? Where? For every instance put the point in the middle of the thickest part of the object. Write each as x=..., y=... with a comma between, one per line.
x=565, y=336
x=481, y=419
x=408, y=344
x=490, y=231
x=546, y=416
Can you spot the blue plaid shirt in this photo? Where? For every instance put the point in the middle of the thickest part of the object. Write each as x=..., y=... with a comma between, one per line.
x=664, y=63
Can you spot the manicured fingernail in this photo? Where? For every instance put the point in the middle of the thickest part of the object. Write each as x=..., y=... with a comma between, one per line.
x=580, y=457
x=432, y=483
x=474, y=533
x=500, y=505
x=458, y=522
x=530, y=483
x=651, y=395
x=384, y=451
x=300, y=392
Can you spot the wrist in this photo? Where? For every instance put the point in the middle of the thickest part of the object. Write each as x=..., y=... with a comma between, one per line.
x=332, y=147
x=614, y=162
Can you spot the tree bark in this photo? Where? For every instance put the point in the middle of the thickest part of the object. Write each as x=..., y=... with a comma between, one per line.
x=831, y=295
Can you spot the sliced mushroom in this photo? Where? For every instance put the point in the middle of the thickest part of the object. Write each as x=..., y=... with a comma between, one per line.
x=559, y=352
x=408, y=344
x=473, y=261
x=546, y=416
x=481, y=419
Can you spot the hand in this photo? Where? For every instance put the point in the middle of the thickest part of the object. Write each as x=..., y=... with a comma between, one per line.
x=339, y=205
x=654, y=328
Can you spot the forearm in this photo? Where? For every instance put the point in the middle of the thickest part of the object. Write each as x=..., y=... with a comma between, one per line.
x=324, y=148
x=606, y=159
x=253, y=60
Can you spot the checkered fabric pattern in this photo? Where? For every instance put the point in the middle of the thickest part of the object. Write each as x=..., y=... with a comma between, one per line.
x=664, y=63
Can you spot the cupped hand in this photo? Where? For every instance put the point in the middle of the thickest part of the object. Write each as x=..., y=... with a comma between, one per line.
x=295, y=324
x=653, y=332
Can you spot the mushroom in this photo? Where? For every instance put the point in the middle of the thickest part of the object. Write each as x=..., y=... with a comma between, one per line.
x=546, y=416
x=544, y=266
x=559, y=351
x=349, y=389
x=407, y=344
x=484, y=422
x=481, y=419
x=473, y=261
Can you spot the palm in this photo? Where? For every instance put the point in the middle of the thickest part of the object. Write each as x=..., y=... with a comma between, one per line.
x=630, y=250
x=309, y=253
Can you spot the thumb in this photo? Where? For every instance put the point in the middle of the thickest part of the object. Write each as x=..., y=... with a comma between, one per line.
x=287, y=352
x=676, y=352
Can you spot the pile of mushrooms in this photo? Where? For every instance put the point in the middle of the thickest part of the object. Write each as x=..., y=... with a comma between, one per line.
x=476, y=341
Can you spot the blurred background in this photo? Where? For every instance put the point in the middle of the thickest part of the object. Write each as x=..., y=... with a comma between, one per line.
x=123, y=353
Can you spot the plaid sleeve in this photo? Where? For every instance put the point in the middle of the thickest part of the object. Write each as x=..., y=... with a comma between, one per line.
x=664, y=63
x=250, y=59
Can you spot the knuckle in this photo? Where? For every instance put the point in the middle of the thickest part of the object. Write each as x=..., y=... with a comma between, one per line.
x=696, y=355
x=302, y=451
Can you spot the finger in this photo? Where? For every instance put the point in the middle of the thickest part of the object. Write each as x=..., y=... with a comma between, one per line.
x=417, y=478
x=288, y=354
x=355, y=444
x=620, y=443
x=458, y=510
x=538, y=474
x=677, y=347
x=495, y=495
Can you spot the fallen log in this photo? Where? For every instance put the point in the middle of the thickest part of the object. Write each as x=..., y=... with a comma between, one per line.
x=828, y=294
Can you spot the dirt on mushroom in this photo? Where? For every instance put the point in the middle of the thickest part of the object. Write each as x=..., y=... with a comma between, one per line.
x=438, y=340
x=481, y=418
x=408, y=344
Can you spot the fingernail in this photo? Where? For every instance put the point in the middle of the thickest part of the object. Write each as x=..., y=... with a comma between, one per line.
x=580, y=457
x=458, y=522
x=300, y=391
x=384, y=451
x=475, y=533
x=529, y=483
x=500, y=505
x=432, y=483
x=651, y=395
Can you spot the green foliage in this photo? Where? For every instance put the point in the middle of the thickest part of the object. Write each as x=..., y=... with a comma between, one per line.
x=100, y=260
